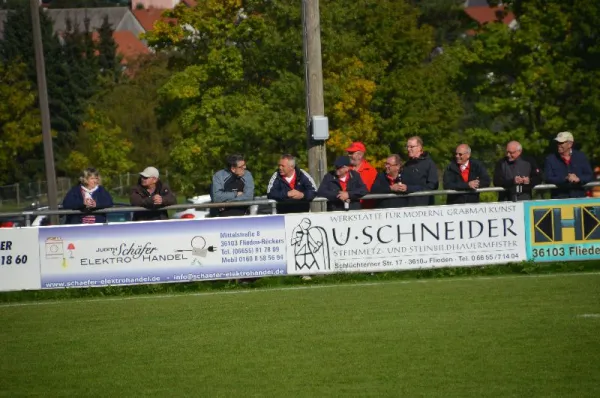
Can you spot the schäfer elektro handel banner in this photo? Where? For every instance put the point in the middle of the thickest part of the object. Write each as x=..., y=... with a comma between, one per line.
x=159, y=252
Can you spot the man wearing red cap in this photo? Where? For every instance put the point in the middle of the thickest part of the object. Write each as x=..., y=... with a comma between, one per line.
x=356, y=152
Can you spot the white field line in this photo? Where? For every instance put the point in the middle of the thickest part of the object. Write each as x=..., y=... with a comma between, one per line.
x=294, y=288
x=589, y=316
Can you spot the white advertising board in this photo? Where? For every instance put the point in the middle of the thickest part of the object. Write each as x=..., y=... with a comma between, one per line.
x=405, y=238
x=171, y=251
x=19, y=259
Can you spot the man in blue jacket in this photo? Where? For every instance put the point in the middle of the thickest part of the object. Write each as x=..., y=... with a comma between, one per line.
x=568, y=168
x=342, y=187
x=293, y=187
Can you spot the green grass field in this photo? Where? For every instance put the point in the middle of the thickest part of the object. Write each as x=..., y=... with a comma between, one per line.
x=498, y=336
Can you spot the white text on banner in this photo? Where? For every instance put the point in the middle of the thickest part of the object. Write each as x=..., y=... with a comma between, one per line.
x=405, y=238
x=19, y=259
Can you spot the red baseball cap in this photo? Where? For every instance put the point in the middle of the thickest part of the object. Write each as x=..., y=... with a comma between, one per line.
x=356, y=146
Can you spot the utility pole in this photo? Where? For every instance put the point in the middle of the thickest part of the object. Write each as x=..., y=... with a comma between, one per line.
x=317, y=158
x=44, y=110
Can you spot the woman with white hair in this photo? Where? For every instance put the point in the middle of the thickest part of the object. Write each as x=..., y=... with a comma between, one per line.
x=87, y=196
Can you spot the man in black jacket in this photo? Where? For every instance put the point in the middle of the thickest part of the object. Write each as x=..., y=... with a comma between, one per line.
x=390, y=181
x=293, y=187
x=342, y=187
x=419, y=173
x=151, y=193
x=516, y=174
x=465, y=174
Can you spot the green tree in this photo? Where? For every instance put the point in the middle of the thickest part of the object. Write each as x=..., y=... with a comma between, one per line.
x=101, y=144
x=539, y=79
x=132, y=105
x=20, y=125
x=109, y=61
x=238, y=81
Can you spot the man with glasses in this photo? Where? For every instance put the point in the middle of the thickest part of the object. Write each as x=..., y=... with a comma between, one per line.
x=390, y=181
x=419, y=173
x=465, y=174
x=516, y=174
x=151, y=193
x=232, y=184
x=342, y=187
x=568, y=168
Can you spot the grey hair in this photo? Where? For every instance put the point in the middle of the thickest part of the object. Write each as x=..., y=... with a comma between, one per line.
x=467, y=147
x=397, y=159
x=290, y=158
x=89, y=172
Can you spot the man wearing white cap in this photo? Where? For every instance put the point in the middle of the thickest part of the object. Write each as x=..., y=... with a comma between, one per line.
x=568, y=168
x=151, y=193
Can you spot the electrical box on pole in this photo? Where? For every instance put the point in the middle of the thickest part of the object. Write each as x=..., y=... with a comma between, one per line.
x=320, y=128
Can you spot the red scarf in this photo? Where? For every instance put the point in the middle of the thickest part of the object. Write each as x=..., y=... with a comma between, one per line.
x=392, y=180
x=344, y=184
x=464, y=172
x=293, y=181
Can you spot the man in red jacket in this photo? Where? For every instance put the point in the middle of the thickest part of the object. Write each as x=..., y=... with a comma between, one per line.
x=368, y=173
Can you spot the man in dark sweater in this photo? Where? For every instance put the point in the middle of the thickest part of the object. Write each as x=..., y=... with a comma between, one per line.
x=516, y=174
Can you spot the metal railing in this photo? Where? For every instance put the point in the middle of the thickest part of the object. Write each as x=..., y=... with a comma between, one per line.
x=29, y=215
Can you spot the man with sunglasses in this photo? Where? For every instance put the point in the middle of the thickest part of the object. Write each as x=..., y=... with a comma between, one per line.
x=151, y=193
x=517, y=174
x=567, y=168
x=465, y=174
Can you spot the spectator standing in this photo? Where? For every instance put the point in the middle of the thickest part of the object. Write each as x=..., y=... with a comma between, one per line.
x=517, y=174
x=567, y=168
x=342, y=187
x=232, y=184
x=87, y=196
x=356, y=152
x=291, y=186
x=419, y=173
x=151, y=193
x=390, y=181
x=465, y=174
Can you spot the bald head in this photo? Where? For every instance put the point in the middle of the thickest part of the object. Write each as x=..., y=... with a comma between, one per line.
x=513, y=150
x=462, y=154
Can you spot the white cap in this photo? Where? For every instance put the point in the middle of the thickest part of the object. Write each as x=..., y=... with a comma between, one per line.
x=564, y=137
x=149, y=172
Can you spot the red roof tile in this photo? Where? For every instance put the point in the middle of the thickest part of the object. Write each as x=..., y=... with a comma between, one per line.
x=147, y=17
x=128, y=46
x=485, y=15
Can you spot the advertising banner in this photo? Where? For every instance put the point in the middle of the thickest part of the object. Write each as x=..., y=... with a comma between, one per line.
x=153, y=252
x=562, y=230
x=19, y=259
x=405, y=238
